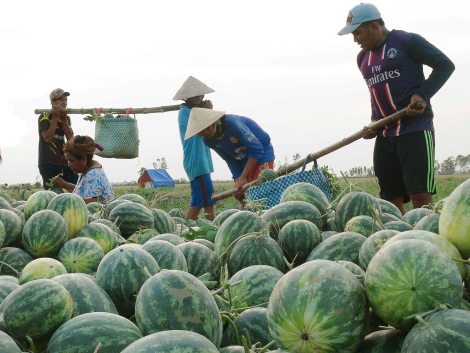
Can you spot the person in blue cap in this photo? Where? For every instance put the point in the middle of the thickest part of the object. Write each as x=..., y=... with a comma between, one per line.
x=391, y=63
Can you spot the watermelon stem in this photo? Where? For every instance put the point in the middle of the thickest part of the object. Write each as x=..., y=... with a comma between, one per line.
x=11, y=268
x=462, y=260
x=234, y=327
x=32, y=346
x=267, y=347
x=98, y=347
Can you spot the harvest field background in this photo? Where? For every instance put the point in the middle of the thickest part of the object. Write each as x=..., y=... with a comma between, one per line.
x=179, y=196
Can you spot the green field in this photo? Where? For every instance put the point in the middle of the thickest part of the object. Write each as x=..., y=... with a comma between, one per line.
x=179, y=196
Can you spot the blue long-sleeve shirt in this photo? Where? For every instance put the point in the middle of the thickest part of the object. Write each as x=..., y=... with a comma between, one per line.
x=197, y=156
x=394, y=72
x=242, y=138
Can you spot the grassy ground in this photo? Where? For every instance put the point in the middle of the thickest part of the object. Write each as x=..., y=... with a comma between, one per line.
x=178, y=197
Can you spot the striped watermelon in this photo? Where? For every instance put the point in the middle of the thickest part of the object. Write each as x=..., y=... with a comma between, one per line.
x=259, y=249
x=134, y=198
x=390, y=208
x=167, y=255
x=162, y=221
x=341, y=246
x=177, y=212
x=327, y=233
x=37, y=202
x=142, y=236
x=318, y=307
x=356, y=203
x=298, y=238
x=6, y=287
x=13, y=226
x=87, y=295
x=130, y=217
x=279, y=215
x=373, y=244
x=81, y=255
x=110, y=206
x=7, y=344
x=44, y=233
x=108, y=223
x=442, y=243
x=205, y=242
x=430, y=222
x=444, y=331
x=236, y=225
x=387, y=217
x=44, y=267
x=409, y=277
x=252, y=286
x=309, y=193
x=36, y=309
x=400, y=226
x=252, y=323
x=173, y=300
x=364, y=225
x=222, y=216
x=102, y=234
x=94, y=332
x=414, y=215
x=454, y=223
x=169, y=237
x=266, y=175
x=5, y=204
x=174, y=341
x=73, y=209
x=122, y=272
x=383, y=341
x=200, y=259
x=2, y=233
x=356, y=270
x=13, y=260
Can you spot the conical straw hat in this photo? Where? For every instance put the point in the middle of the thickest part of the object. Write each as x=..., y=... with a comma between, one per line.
x=199, y=119
x=192, y=87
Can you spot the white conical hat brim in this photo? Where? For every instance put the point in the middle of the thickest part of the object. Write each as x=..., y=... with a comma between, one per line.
x=192, y=87
x=199, y=119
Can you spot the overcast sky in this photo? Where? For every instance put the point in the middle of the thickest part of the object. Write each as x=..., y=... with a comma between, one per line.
x=280, y=63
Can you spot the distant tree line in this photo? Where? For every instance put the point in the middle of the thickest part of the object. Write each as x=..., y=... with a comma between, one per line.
x=450, y=166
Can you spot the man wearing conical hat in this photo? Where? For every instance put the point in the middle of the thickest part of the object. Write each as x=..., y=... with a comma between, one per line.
x=197, y=159
x=240, y=141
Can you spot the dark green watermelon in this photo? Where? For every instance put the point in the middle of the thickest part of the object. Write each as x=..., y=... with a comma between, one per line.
x=444, y=331
x=353, y=204
x=341, y=246
x=174, y=341
x=298, y=238
x=122, y=272
x=86, y=332
x=176, y=300
x=81, y=255
x=254, y=249
x=383, y=341
x=373, y=244
x=130, y=217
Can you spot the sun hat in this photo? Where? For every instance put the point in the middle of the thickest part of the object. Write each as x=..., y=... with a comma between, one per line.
x=359, y=14
x=57, y=93
x=192, y=87
x=199, y=119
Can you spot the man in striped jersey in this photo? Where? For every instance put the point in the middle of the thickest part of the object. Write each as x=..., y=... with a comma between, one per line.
x=391, y=63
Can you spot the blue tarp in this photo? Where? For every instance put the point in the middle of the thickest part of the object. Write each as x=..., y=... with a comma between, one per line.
x=160, y=177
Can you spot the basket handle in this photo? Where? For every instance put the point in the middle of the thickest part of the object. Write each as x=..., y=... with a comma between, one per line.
x=315, y=164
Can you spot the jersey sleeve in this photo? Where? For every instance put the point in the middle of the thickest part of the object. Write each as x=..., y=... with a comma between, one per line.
x=420, y=50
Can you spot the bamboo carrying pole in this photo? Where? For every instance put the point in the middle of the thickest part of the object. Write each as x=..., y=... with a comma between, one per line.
x=313, y=156
x=162, y=109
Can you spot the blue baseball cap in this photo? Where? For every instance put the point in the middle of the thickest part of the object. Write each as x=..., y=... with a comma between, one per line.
x=358, y=15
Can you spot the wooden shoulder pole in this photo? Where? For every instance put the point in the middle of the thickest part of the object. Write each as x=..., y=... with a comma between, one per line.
x=162, y=109
x=323, y=152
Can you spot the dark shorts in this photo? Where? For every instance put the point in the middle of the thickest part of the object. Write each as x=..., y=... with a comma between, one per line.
x=201, y=191
x=404, y=165
x=49, y=171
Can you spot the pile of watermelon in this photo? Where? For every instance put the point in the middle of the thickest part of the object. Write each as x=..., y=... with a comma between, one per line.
x=305, y=276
